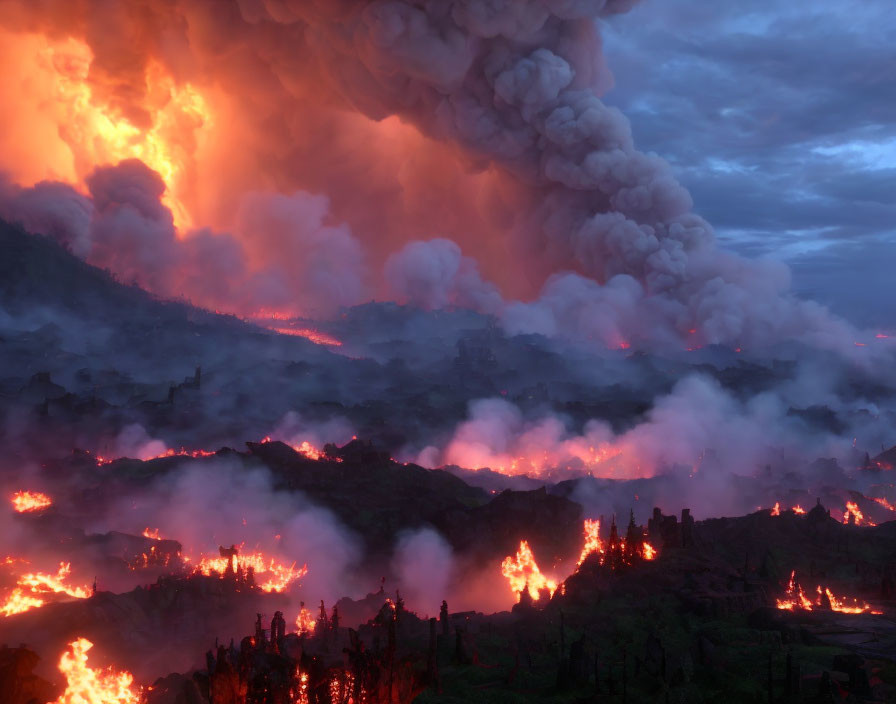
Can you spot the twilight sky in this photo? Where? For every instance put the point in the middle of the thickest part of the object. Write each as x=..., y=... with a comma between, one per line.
x=780, y=118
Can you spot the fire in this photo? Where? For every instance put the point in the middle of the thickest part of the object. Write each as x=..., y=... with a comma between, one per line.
x=85, y=685
x=886, y=504
x=19, y=602
x=305, y=448
x=316, y=336
x=277, y=576
x=30, y=501
x=152, y=533
x=97, y=133
x=852, y=510
x=593, y=542
x=31, y=587
x=523, y=573
x=776, y=510
x=305, y=622
x=796, y=599
x=648, y=552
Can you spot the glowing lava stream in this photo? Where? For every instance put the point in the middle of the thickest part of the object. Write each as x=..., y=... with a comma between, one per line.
x=30, y=501
x=85, y=685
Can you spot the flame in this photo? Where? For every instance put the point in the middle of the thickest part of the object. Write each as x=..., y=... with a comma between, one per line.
x=30, y=501
x=776, y=510
x=305, y=622
x=278, y=576
x=316, y=336
x=852, y=509
x=32, y=586
x=97, y=133
x=523, y=573
x=648, y=552
x=86, y=685
x=593, y=542
x=19, y=602
x=152, y=533
x=886, y=504
x=796, y=599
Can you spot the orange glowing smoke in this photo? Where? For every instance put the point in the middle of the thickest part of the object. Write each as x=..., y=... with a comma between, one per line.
x=305, y=622
x=90, y=132
x=593, y=542
x=30, y=501
x=796, y=599
x=522, y=572
x=31, y=588
x=84, y=685
x=277, y=576
x=852, y=509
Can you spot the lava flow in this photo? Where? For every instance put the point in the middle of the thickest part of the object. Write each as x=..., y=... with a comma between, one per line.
x=825, y=599
x=86, y=685
x=30, y=501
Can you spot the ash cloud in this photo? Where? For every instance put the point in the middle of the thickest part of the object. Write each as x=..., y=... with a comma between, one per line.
x=481, y=123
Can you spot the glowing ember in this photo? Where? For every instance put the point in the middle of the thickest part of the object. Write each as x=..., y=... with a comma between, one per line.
x=854, y=515
x=277, y=576
x=522, y=572
x=152, y=533
x=305, y=622
x=825, y=599
x=592, y=540
x=85, y=685
x=30, y=589
x=30, y=501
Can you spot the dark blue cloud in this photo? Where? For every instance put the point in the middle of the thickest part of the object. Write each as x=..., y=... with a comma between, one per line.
x=780, y=119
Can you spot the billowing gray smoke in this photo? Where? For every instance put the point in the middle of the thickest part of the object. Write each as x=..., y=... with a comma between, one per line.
x=523, y=166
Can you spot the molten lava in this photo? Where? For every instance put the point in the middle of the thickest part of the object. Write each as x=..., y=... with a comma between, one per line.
x=825, y=599
x=85, y=685
x=30, y=501
x=523, y=573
